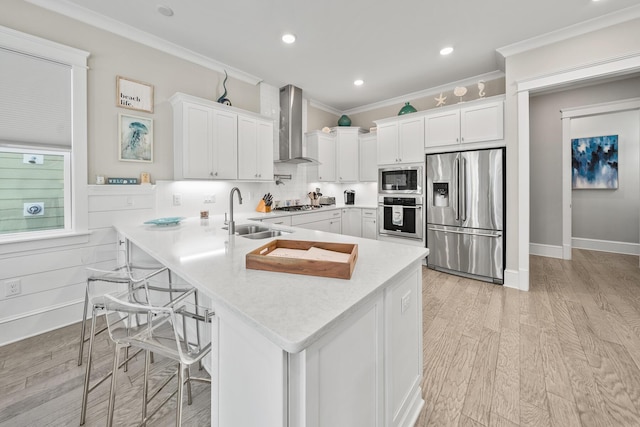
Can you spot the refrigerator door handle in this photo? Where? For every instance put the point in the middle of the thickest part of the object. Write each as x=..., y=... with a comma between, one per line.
x=463, y=189
x=456, y=174
x=494, y=234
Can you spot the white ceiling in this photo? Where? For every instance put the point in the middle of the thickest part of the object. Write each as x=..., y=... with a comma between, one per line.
x=392, y=45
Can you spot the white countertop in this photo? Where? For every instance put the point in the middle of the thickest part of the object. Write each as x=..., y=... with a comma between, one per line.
x=291, y=310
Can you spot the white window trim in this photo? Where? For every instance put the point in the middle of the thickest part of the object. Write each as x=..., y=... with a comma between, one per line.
x=79, y=208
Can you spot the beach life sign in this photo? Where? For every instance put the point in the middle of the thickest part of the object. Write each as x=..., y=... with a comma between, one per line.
x=134, y=95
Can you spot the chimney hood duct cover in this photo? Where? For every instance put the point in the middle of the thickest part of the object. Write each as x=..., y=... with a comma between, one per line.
x=290, y=150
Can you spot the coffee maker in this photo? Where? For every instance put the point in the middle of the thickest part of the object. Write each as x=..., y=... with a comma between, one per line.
x=349, y=197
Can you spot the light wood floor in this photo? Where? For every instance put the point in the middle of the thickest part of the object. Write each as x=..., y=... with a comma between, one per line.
x=565, y=354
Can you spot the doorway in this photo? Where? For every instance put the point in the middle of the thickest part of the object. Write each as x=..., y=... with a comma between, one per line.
x=616, y=67
x=603, y=219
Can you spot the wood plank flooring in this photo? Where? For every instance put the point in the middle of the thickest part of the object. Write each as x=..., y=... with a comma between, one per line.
x=566, y=353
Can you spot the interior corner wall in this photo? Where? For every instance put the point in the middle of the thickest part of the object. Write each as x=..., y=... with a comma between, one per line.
x=112, y=55
x=610, y=215
x=546, y=155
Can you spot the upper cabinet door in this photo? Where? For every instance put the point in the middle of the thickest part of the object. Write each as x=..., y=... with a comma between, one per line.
x=264, y=152
x=196, y=142
x=482, y=123
x=225, y=154
x=388, y=143
x=255, y=149
x=322, y=147
x=347, y=157
x=411, y=140
x=368, y=158
x=442, y=129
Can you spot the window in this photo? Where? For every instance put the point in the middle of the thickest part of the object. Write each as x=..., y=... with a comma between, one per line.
x=43, y=139
x=34, y=190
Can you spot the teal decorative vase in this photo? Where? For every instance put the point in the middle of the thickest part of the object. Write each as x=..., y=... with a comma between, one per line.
x=408, y=108
x=344, y=120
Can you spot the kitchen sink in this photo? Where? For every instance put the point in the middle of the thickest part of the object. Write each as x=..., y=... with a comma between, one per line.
x=265, y=234
x=251, y=231
x=244, y=229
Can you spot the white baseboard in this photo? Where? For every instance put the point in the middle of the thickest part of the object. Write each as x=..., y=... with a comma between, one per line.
x=606, y=246
x=545, y=250
x=40, y=321
x=512, y=280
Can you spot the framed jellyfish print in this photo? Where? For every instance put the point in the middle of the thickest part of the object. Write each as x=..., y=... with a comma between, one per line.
x=594, y=163
x=135, y=136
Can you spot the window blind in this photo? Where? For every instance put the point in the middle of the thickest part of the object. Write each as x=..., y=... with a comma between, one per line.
x=35, y=106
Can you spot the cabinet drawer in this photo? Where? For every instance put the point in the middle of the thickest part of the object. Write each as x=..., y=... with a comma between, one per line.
x=314, y=216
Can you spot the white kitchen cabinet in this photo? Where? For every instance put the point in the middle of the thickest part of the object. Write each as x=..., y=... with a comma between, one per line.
x=369, y=229
x=442, y=129
x=255, y=149
x=400, y=140
x=204, y=141
x=329, y=221
x=351, y=222
x=205, y=138
x=411, y=140
x=368, y=158
x=347, y=152
x=481, y=122
x=387, y=143
x=322, y=147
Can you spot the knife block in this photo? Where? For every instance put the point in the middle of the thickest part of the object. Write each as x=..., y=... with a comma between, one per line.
x=262, y=207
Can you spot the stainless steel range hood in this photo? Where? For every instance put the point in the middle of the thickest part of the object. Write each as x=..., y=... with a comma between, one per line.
x=291, y=126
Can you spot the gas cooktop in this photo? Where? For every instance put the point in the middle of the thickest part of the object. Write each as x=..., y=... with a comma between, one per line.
x=297, y=208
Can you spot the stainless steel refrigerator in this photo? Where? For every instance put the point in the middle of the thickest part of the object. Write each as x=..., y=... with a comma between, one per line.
x=465, y=215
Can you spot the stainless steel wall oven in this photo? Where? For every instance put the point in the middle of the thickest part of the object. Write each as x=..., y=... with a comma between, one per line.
x=401, y=216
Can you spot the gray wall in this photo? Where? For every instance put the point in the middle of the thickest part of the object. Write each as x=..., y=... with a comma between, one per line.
x=546, y=166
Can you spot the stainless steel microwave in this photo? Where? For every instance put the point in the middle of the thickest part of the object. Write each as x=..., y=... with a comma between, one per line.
x=400, y=180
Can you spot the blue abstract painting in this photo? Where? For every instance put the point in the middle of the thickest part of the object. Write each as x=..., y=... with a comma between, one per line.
x=595, y=162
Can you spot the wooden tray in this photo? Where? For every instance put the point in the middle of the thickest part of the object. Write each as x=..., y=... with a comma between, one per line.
x=258, y=259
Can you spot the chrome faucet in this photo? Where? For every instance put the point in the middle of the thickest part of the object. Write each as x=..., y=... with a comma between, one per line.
x=232, y=224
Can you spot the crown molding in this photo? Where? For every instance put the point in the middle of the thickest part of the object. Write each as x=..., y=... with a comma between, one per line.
x=424, y=93
x=324, y=107
x=606, y=68
x=86, y=16
x=575, y=30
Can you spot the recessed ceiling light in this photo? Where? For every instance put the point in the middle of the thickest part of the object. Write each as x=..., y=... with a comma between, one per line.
x=288, y=38
x=446, y=50
x=358, y=82
x=165, y=10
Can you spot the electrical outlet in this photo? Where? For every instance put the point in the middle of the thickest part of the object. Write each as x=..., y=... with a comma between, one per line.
x=210, y=198
x=406, y=300
x=177, y=199
x=12, y=287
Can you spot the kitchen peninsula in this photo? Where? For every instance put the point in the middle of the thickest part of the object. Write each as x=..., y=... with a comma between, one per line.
x=297, y=350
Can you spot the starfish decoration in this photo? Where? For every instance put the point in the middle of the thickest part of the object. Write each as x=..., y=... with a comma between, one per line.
x=440, y=100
